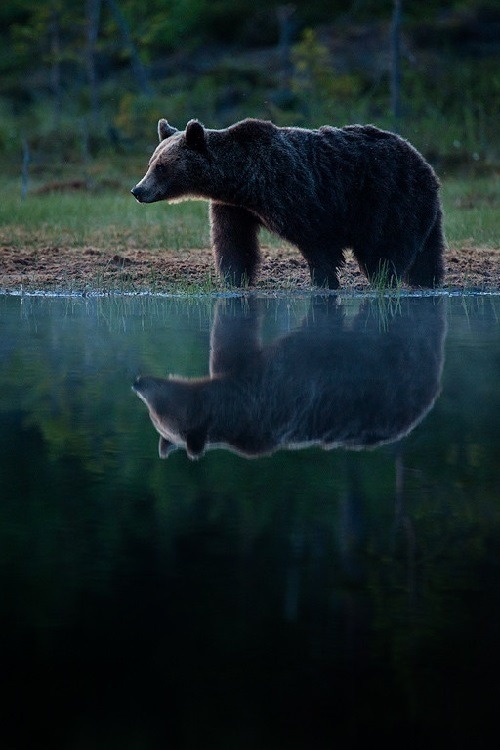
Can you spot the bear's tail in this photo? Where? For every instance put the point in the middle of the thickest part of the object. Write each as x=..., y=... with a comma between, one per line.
x=428, y=267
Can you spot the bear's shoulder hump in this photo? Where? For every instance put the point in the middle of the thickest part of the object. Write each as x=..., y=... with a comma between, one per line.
x=252, y=129
x=369, y=131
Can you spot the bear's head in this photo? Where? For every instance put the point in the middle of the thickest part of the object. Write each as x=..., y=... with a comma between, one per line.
x=178, y=412
x=178, y=167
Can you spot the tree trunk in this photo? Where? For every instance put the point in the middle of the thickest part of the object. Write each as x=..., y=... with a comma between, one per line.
x=396, y=63
x=92, y=17
x=137, y=66
x=286, y=24
x=25, y=169
x=55, y=65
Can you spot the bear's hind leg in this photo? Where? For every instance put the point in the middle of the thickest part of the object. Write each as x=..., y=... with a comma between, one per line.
x=427, y=269
x=234, y=241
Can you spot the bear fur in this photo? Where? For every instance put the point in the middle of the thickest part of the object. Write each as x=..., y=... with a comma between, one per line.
x=333, y=382
x=321, y=190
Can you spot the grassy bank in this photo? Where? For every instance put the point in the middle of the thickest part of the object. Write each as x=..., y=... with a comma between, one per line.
x=109, y=218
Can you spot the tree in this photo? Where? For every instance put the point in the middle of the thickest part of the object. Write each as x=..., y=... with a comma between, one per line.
x=396, y=62
x=92, y=17
x=128, y=42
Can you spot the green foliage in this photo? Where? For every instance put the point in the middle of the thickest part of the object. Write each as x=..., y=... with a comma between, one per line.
x=460, y=102
x=9, y=133
x=317, y=87
x=138, y=114
x=450, y=103
x=52, y=30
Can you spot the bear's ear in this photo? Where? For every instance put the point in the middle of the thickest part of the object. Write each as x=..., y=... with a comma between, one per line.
x=195, y=135
x=165, y=130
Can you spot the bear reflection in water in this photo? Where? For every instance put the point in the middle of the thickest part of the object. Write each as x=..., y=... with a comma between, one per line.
x=336, y=381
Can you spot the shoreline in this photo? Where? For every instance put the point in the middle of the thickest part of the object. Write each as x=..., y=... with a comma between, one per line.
x=94, y=271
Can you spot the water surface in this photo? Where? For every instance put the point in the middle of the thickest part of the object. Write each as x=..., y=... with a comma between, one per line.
x=314, y=562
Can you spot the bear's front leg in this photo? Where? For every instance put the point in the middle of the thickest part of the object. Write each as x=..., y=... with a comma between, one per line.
x=236, y=335
x=235, y=245
x=324, y=266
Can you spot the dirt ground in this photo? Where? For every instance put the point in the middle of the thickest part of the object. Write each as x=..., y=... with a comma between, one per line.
x=92, y=269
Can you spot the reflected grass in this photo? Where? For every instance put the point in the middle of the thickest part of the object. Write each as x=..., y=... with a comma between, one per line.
x=102, y=285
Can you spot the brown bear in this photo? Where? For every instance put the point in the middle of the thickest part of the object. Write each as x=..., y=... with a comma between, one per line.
x=321, y=190
x=333, y=382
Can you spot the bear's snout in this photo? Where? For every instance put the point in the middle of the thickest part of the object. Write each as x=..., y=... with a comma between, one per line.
x=138, y=193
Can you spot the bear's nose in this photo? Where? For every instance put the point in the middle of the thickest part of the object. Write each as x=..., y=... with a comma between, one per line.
x=137, y=192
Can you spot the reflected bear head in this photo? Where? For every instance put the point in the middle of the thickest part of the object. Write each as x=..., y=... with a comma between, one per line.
x=176, y=410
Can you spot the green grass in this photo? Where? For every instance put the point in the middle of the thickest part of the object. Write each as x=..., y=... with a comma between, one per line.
x=105, y=219
x=384, y=279
x=112, y=219
x=471, y=215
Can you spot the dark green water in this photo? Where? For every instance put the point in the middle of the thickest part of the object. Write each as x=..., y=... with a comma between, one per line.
x=342, y=589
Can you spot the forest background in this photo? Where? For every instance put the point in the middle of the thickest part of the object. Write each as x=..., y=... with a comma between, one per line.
x=81, y=79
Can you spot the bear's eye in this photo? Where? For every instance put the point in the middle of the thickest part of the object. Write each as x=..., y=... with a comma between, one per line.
x=161, y=169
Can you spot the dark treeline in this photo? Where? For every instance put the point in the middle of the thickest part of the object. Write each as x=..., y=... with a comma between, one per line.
x=110, y=68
